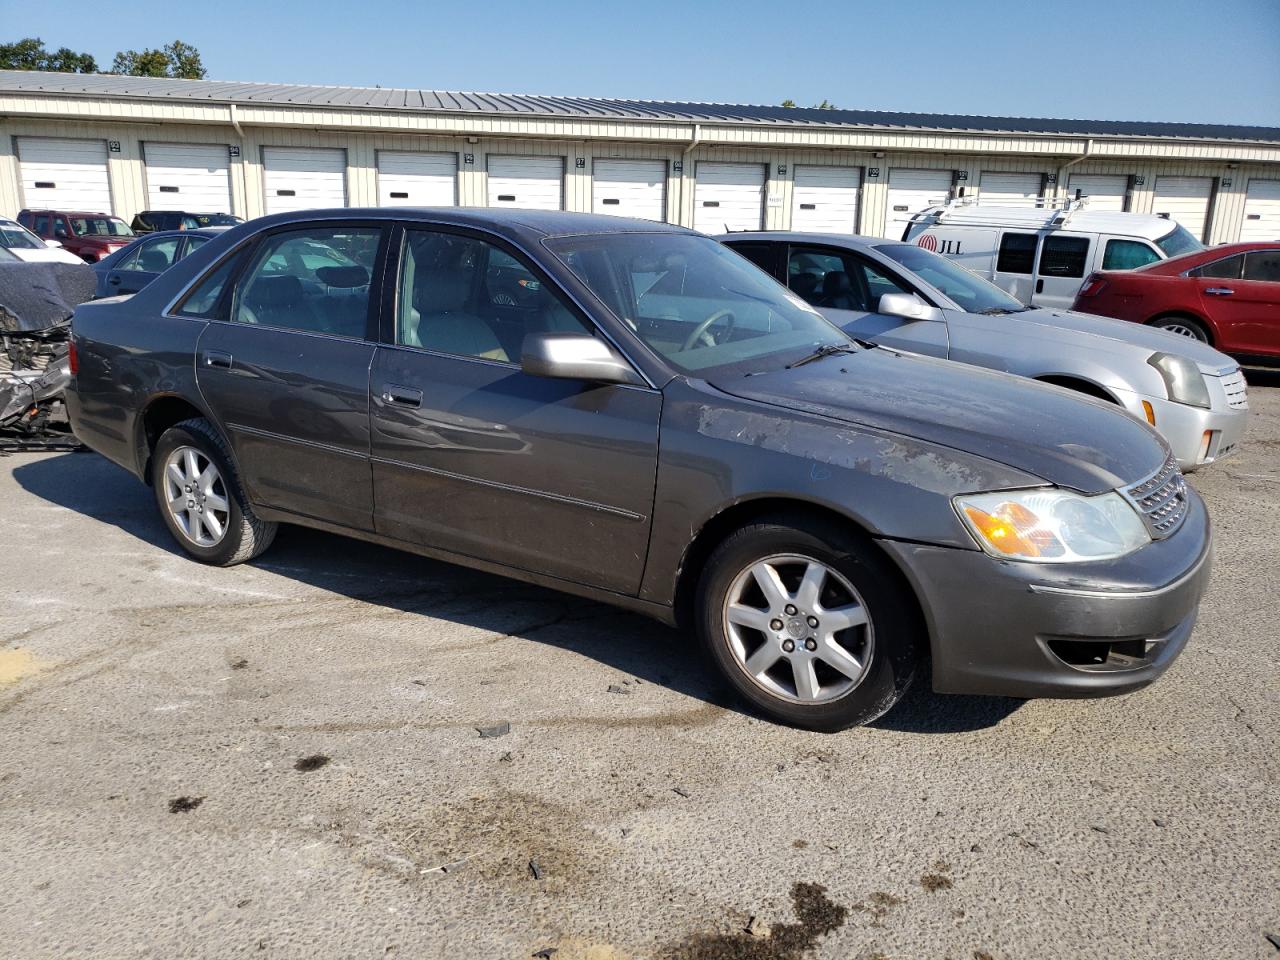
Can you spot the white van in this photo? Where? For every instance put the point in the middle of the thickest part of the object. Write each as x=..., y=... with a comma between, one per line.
x=1041, y=255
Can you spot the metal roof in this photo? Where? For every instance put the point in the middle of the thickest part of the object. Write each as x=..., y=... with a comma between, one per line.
x=507, y=104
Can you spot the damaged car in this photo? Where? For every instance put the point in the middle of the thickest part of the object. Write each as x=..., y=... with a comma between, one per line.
x=659, y=425
x=36, y=303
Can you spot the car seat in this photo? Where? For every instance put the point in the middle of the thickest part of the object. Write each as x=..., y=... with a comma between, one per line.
x=281, y=302
x=442, y=321
x=837, y=292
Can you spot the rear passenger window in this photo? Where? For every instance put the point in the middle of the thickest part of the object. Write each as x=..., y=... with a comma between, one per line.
x=1226, y=269
x=1017, y=253
x=1262, y=265
x=315, y=280
x=1127, y=255
x=1064, y=256
x=152, y=256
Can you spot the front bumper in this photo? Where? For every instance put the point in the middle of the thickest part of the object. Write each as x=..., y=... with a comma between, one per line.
x=1185, y=427
x=1013, y=629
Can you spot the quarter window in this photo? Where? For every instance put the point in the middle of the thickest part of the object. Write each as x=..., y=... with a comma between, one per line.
x=1064, y=256
x=315, y=280
x=1227, y=268
x=1262, y=265
x=204, y=297
x=194, y=244
x=1127, y=255
x=465, y=296
x=1017, y=253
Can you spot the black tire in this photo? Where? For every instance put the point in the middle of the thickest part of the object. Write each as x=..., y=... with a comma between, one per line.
x=1188, y=327
x=896, y=633
x=244, y=535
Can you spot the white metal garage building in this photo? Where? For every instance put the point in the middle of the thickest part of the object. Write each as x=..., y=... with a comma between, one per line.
x=125, y=144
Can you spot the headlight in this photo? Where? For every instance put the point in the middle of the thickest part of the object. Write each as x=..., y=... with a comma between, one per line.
x=1182, y=379
x=1053, y=526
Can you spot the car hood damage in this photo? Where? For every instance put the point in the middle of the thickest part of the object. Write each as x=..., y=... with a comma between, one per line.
x=1048, y=432
x=36, y=304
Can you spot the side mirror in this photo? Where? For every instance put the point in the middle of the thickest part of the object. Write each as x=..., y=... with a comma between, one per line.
x=573, y=356
x=908, y=306
x=55, y=244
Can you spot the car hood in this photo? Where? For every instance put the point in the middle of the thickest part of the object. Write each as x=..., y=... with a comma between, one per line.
x=38, y=296
x=1070, y=325
x=1046, y=431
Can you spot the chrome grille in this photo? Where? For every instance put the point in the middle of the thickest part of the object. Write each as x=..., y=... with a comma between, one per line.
x=1236, y=389
x=1161, y=499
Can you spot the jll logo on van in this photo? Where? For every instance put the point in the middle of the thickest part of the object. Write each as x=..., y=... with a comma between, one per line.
x=929, y=242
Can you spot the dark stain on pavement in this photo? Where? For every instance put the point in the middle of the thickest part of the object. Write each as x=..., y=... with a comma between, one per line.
x=307, y=764
x=184, y=804
x=816, y=917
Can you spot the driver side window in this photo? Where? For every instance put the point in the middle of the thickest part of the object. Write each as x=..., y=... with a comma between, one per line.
x=837, y=280
x=465, y=296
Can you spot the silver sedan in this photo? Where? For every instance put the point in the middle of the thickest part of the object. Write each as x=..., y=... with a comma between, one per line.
x=903, y=296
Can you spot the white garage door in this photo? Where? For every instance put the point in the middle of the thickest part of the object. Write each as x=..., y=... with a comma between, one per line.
x=1105, y=192
x=1010, y=189
x=911, y=191
x=1261, y=211
x=529, y=183
x=192, y=177
x=825, y=199
x=1186, y=200
x=630, y=188
x=298, y=178
x=417, y=179
x=64, y=174
x=728, y=196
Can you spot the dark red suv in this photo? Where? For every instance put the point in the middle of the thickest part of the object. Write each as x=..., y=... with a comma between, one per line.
x=90, y=236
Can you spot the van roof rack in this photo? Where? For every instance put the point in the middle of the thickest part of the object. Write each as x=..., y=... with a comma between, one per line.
x=1065, y=208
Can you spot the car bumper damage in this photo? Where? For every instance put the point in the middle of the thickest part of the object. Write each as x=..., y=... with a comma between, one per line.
x=1005, y=628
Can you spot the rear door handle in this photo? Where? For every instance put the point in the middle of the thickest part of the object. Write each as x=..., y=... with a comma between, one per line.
x=404, y=396
x=1040, y=285
x=1219, y=291
x=216, y=358
x=113, y=280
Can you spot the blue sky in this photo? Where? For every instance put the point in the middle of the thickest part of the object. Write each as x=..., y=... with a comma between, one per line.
x=1215, y=61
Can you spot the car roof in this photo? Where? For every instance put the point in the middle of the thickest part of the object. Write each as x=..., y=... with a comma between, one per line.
x=1148, y=225
x=193, y=232
x=796, y=236
x=1176, y=265
x=523, y=224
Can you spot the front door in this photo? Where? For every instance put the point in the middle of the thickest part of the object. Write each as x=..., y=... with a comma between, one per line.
x=847, y=289
x=472, y=455
x=286, y=371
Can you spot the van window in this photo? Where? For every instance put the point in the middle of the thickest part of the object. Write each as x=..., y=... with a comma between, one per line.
x=1228, y=268
x=1127, y=255
x=1064, y=256
x=1017, y=253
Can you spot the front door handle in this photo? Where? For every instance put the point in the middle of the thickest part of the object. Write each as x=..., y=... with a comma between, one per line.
x=217, y=358
x=404, y=396
x=1219, y=291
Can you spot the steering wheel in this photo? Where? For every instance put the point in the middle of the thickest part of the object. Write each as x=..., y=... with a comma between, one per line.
x=701, y=329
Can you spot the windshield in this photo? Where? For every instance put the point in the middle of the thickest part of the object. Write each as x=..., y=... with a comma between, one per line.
x=1179, y=242
x=6, y=256
x=704, y=308
x=969, y=291
x=100, y=227
x=18, y=238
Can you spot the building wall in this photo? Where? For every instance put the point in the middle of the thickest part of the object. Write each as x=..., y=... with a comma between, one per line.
x=131, y=125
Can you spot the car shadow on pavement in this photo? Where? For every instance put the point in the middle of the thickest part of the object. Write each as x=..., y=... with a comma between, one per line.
x=634, y=645
x=1262, y=376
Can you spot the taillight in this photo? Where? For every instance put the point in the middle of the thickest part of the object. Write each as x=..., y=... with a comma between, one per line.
x=1093, y=286
x=73, y=358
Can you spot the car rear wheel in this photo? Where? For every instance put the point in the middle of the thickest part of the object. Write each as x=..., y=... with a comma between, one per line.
x=200, y=498
x=1183, y=327
x=809, y=624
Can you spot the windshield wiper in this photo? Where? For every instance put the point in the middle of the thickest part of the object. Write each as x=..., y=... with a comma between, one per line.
x=826, y=350
x=1000, y=311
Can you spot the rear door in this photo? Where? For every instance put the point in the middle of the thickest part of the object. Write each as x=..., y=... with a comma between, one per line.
x=1015, y=271
x=1241, y=294
x=1063, y=264
x=474, y=456
x=847, y=289
x=284, y=368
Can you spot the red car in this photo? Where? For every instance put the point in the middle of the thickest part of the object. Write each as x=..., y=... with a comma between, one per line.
x=90, y=236
x=1227, y=296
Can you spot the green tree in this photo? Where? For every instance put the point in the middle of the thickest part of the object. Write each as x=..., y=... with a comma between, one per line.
x=824, y=105
x=789, y=104
x=177, y=59
x=30, y=54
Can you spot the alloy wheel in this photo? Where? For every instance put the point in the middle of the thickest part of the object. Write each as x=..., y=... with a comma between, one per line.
x=196, y=496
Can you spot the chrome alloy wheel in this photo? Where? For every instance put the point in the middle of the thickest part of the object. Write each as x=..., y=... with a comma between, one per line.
x=798, y=629
x=196, y=496
x=1182, y=330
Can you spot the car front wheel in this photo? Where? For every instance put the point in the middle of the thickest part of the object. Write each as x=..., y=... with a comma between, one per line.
x=808, y=623
x=200, y=498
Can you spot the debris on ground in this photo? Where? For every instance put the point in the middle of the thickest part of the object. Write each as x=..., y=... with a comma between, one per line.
x=239, y=664
x=1097, y=828
x=614, y=688
x=1273, y=939
x=307, y=764
x=546, y=953
x=497, y=730
x=816, y=917
x=758, y=928
x=681, y=791
x=878, y=905
x=933, y=882
x=535, y=870
x=184, y=804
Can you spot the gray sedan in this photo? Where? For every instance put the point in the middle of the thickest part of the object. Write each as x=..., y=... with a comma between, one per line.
x=903, y=296
x=131, y=268
x=653, y=422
